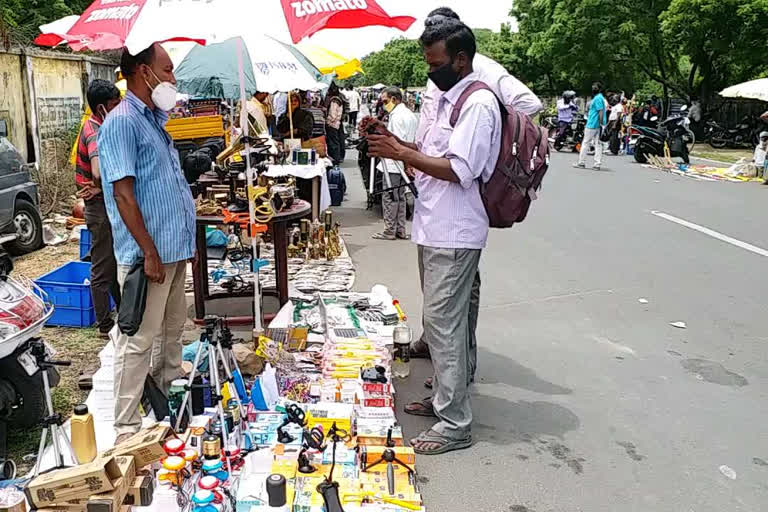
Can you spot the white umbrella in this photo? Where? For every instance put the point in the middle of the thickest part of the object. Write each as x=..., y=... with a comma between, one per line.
x=754, y=89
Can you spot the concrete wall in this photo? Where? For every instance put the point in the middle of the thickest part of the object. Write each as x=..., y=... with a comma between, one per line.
x=12, y=109
x=42, y=94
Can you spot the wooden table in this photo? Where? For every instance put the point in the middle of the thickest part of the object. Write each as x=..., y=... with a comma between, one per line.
x=279, y=230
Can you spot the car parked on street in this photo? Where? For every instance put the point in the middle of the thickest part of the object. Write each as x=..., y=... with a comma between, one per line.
x=21, y=226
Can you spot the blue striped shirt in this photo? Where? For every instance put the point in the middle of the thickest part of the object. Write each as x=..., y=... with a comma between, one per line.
x=133, y=143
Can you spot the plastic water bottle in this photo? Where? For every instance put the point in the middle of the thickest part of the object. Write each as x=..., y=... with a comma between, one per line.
x=401, y=335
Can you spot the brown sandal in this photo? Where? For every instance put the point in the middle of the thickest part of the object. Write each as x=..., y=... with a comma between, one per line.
x=430, y=442
x=421, y=408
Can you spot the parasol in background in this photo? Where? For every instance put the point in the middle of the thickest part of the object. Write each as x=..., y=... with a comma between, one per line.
x=330, y=62
x=306, y=18
x=268, y=66
x=754, y=90
x=135, y=24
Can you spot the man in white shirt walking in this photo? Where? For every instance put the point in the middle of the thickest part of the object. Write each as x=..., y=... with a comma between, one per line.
x=354, y=100
x=450, y=225
x=402, y=124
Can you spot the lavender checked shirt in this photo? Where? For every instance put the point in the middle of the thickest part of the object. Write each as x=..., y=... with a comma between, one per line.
x=451, y=215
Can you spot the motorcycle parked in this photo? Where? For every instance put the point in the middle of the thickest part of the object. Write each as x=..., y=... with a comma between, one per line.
x=674, y=132
x=743, y=135
x=572, y=135
x=23, y=312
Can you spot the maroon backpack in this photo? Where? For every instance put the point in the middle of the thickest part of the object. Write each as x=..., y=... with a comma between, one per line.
x=523, y=162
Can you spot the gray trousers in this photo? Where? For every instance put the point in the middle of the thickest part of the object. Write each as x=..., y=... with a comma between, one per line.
x=155, y=348
x=450, y=283
x=394, y=206
x=103, y=264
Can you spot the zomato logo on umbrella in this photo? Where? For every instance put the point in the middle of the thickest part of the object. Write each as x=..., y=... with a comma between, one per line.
x=309, y=7
x=305, y=17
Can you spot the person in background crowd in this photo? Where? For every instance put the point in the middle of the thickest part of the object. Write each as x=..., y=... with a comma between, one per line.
x=450, y=226
x=657, y=105
x=261, y=110
x=695, y=115
x=334, y=106
x=354, y=100
x=318, y=119
x=303, y=122
x=596, y=123
x=402, y=124
x=511, y=91
x=417, y=102
x=381, y=112
x=760, y=154
x=102, y=97
x=152, y=213
x=566, y=107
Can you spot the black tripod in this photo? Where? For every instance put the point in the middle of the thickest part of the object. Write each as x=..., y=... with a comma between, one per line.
x=53, y=421
x=390, y=457
x=328, y=488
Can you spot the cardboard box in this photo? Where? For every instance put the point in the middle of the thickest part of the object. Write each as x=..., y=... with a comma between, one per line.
x=140, y=492
x=74, y=483
x=146, y=446
x=111, y=501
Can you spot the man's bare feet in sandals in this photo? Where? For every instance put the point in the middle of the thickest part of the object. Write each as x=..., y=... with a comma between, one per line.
x=430, y=442
x=421, y=408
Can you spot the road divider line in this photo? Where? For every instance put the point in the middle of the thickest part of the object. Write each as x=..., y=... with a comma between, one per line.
x=711, y=232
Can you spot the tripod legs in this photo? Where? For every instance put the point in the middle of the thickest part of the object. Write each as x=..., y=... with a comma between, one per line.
x=52, y=424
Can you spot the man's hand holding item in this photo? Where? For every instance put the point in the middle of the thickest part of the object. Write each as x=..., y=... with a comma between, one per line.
x=153, y=267
x=385, y=146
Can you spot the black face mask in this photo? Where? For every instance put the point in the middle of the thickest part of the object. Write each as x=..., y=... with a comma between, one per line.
x=444, y=77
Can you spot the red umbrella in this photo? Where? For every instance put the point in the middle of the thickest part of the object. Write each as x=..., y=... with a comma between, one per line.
x=135, y=24
x=308, y=16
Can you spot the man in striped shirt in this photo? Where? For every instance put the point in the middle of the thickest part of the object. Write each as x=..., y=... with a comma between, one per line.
x=102, y=96
x=152, y=213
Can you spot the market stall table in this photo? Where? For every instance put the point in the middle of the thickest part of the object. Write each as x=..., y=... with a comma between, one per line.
x=278, y=226
x=321, y=194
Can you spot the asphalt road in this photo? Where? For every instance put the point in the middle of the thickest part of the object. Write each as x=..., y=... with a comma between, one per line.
x=588, y=399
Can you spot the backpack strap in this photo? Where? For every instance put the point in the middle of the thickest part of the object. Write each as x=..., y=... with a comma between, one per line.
x=471, y=89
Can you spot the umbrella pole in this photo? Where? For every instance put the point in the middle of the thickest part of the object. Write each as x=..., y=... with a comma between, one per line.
x=290, y=112
x=245, y=125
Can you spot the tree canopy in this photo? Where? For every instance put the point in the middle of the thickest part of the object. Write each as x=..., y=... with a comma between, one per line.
x=680, y=48
x=20, y=19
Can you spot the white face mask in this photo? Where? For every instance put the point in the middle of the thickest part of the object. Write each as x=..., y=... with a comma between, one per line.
x=163, y=95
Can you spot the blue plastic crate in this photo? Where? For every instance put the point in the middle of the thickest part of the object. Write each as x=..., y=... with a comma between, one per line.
x=85, y=243
x=69, y=294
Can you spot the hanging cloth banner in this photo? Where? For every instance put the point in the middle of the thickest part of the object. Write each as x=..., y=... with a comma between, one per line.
x=305, y=17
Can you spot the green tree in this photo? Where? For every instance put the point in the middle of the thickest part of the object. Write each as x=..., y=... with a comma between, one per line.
x=721, y=38
x=20, y=19
x=400, y=62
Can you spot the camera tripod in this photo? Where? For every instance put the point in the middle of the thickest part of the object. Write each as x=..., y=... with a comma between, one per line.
x=217, y=339
x=53, y=421
x=390, y=457
x=328, y=488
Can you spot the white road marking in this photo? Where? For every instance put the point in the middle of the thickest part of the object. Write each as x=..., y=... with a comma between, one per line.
x=712, y=233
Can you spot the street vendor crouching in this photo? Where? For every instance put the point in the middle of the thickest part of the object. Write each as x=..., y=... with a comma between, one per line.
x=152, y=214
x=450, y=225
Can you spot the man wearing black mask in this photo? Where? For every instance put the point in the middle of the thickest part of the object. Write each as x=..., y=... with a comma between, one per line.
x=450, y=225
